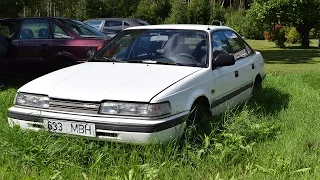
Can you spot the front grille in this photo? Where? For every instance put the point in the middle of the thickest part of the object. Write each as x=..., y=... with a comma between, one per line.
x=74, y=106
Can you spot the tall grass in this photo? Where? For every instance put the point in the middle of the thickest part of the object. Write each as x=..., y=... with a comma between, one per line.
x=273, y=135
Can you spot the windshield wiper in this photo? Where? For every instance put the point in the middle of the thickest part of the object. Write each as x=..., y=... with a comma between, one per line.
x=148, y=61
x=103, y=59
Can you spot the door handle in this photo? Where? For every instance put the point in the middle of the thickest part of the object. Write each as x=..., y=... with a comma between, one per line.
x=236, y=74
x=252, y=66
x=44, y=45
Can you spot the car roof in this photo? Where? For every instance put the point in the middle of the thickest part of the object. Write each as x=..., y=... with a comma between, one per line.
x=111, y=19
x=182, y=26
x=20, y=18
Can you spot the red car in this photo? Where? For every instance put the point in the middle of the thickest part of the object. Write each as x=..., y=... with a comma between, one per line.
x=38, y=45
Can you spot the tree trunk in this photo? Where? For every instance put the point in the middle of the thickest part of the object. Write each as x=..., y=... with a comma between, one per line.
x=304, y=32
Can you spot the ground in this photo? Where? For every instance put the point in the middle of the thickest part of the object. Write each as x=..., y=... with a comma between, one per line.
x=275, y=135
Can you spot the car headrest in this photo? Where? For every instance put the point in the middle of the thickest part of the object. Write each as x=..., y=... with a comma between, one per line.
x=26, y=33
x=43, y=33
x=181, y=48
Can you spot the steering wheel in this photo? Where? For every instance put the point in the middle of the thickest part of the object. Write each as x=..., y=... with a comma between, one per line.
x=187, y=56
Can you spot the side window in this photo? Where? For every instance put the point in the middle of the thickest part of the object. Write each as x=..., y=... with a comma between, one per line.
x=220, y=44
x=237, y=44
x=34, y=29
x=57, y=32
x=112, y=27
x=112, y=23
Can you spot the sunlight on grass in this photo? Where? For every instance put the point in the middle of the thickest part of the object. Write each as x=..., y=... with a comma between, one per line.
x=291, y=59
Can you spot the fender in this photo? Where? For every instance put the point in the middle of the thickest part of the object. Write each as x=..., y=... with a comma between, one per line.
x=194, y=96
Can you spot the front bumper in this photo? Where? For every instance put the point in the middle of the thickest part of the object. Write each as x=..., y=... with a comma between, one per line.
x=118, y=129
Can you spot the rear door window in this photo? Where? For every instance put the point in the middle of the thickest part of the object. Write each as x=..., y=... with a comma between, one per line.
x=34, y=29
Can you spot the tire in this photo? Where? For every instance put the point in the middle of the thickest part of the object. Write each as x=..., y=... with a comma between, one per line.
x=198, y=112
x=257, y=85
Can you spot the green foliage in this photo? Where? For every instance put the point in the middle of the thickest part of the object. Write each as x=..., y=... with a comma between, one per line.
x=293, y=36
x=244, y=24
x=314, y=33
x=199, y=11
x=153, y=12
x=10, y=8
x=178, y=12
x=280, y=38
x=303, y=15
x=217, y=13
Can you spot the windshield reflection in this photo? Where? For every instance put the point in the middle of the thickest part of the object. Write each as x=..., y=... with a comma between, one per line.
x=163, y=46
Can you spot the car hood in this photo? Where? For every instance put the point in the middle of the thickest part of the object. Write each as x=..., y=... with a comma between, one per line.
x=97, y=81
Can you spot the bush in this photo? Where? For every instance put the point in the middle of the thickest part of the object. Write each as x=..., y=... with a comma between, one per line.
x=313, y=34
x=268, y=36
x=279, y=36
x=293, y=36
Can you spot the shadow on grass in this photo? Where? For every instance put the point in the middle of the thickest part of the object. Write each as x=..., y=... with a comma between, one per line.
x=292, y=55
x=267, y=103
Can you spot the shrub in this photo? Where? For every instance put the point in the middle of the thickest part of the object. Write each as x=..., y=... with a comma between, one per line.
x=313, y=34
x=293, y=36
x=268, y=36
x=279, y=36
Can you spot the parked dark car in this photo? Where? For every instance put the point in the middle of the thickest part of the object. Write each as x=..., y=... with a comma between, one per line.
x=39, y=45
x=112, y=26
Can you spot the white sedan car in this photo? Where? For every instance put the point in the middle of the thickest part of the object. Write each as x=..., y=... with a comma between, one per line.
x=147, y=85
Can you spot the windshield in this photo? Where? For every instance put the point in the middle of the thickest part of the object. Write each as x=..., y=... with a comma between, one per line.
x=82, y=29
x=164, y=46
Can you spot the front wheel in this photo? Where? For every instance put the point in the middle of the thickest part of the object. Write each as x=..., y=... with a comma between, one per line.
x=198, y=112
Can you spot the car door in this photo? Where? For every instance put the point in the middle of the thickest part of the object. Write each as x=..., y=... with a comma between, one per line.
x=244, y=65
x=30, y=46
x=225, y=78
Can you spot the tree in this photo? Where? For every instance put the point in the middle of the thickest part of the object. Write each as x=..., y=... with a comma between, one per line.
x=301, y=14
x=153, y=12
x=199, y=11
x=10, y=8
x=178, y=12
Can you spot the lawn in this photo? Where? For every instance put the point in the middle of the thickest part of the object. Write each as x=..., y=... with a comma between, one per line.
x=275, y=135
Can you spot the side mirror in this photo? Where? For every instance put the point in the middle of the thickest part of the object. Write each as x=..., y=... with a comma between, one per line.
x=223, y=60
x=90, y=53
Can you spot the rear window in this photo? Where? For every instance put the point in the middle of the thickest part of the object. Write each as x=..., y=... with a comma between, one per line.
x=94, y=23
x=141, y=23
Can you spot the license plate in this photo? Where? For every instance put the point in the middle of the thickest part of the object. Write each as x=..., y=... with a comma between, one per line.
x=70, y=127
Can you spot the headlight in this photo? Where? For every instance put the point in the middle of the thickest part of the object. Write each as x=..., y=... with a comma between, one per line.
x=135, y=109
x=39, y=101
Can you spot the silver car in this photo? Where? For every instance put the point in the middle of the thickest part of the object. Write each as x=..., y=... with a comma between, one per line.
x=112, y=26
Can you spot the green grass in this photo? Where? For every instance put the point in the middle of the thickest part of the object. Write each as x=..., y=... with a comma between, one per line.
x=275, y=135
